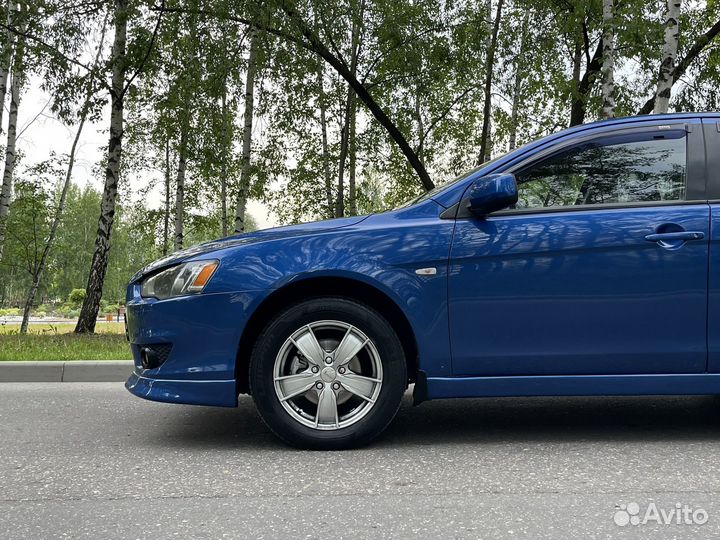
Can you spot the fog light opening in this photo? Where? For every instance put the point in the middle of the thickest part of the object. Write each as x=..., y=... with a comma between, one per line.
x=150, y=358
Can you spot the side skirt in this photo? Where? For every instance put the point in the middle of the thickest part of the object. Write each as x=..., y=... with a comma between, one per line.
x=573, y=385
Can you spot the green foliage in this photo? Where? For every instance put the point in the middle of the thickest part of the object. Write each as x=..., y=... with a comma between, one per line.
x=423, y=63
x=76, y=297
x=26, y=228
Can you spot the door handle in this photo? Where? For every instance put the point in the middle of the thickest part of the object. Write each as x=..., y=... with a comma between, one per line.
x=675, y=236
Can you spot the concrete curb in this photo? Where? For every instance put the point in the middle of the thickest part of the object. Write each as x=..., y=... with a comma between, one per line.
x=66, y=371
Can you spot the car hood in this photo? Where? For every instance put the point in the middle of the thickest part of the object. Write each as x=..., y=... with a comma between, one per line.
x=250, y=238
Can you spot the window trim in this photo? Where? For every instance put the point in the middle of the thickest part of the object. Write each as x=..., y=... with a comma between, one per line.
x=592, y=207
x=530, y=160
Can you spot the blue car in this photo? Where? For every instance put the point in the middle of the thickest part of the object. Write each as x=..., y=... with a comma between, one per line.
x=585, y=263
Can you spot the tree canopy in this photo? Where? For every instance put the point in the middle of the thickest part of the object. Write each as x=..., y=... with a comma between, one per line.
x=316, y=108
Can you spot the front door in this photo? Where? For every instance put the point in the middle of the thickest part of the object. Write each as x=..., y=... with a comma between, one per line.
x=601, y=268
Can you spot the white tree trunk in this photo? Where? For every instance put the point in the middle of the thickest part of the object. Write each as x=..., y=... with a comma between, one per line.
x=224, y=162
x=7, y=181
x=485, y=145
x=344, y=130
x=98, y=267
x=349, y=117
x=187, y=89
x=180, y=191
x=324, y=139
x=352, y=158
x=669, y=55
x=608, y=60
x=517, y=83
x=166, y=217
x=245, y=171
x=5, y=62
x=487, y=120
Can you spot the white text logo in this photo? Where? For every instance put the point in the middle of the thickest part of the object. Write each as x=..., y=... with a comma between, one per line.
x=680, y=514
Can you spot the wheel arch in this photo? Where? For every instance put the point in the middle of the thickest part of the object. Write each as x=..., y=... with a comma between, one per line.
x=313, y=287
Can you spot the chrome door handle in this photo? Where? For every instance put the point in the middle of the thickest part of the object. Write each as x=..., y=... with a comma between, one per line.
x=675, y=236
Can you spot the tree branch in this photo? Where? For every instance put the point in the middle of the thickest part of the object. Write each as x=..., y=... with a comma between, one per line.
x=319, y=48
x=375, y=61
x=242, y=20
x=311, y=42
x=147, y=53
x=53, y=50
x=447, y=111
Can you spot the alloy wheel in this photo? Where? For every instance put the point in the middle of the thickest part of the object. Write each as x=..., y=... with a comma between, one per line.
x=328, y=375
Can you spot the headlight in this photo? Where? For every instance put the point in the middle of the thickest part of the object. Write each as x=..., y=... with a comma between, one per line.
x=188, y=278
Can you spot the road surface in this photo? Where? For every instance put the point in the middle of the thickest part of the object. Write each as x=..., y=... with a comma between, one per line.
x=91, y=461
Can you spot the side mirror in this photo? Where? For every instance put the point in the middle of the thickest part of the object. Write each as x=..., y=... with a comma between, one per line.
x=492, y=193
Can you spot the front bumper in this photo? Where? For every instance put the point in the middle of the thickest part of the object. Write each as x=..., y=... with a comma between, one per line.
x=217, y=393
x=204, y=332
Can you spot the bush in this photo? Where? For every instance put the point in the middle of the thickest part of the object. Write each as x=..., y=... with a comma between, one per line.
x=77, y=296
x=9, y=312
x=67, y=311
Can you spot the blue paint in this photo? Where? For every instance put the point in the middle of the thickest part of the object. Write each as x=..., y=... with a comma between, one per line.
x=578, y=293
x=572, y=300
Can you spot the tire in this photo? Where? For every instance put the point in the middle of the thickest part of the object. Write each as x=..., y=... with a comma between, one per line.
x=308, y=388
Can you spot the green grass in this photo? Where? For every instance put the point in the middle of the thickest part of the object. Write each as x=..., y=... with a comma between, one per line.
x=61, y=328
x=57, y=342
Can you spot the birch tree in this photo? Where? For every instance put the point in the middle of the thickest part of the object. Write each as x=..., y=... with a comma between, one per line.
x=5, y=59
x=518, y=81
x=347, y=139
x=608, y=61
x=224, y=153
x=166, y=206
x=487, y=106
x=98, y=267
x=301, y=33
x=246, y=170
x=186, y=82
x=17, y=77
x=325, y=155
x=179, y=231
x=669, y=55
x=699, y=46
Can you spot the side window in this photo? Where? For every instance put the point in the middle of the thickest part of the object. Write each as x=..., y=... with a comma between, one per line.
x=622, y=168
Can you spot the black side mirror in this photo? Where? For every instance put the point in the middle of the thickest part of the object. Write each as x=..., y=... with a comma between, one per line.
x=492, y=193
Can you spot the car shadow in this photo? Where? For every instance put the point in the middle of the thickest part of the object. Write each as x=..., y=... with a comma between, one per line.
x=557, y=419
x=475, y=421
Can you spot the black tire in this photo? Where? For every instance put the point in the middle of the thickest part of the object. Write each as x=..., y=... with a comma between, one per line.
x=271, y=340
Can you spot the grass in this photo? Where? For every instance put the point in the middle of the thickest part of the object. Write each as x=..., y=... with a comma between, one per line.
x=61, y=328
x=57, y=342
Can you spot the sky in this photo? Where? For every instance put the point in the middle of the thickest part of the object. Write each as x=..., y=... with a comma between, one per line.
x=40, y=133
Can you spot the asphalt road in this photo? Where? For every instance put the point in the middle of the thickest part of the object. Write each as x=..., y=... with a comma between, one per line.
x=91, y=461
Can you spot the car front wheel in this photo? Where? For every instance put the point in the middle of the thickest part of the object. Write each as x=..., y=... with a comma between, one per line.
x=328, y=373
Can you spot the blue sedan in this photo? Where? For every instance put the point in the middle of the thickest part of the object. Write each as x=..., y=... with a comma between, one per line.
x=584, y=263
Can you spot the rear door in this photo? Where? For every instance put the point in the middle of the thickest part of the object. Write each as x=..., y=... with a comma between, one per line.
x=601, y=269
